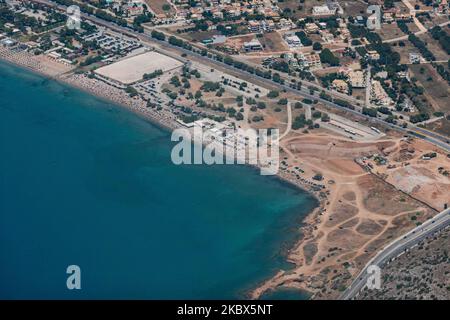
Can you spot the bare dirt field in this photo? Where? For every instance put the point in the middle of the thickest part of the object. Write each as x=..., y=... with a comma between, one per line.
x=158, y=5
x=434, y=46
x=425, y=180
x=405, y=50
x=434, y=21
x=273, y=42
x=354, y=8
x=390, y=31
x=299, y=10
x=199, y=35
x=362, y=210
x=440, y=126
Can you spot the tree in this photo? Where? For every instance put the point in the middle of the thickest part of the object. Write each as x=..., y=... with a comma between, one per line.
x=239, y=116
x=261, y=105
x=371, y=112
x=326, y=56
x=158, y=35
x=316, y=114
x=131, y=91
x=317, y=46
x=283, y=101
x=325, y=117
x=273, y=94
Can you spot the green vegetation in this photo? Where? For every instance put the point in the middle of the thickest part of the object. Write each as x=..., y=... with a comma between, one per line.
x=419, y=44
x=261, y=105
x=371, y=112
x=273, y=94
x=317, y=46
x=304, y=38
x=443, y=37
x=209, y=86
x=282, y=102
x=158, y=35
x=132, y=92
x=300, y=122
x=326, y=56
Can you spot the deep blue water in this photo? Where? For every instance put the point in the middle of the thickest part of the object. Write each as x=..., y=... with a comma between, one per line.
x=85, y=182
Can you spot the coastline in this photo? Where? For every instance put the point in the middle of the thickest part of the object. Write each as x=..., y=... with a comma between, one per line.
x=167, y=121
x=95, y=87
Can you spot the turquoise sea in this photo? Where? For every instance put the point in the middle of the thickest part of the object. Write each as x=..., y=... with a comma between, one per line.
x=86, y=182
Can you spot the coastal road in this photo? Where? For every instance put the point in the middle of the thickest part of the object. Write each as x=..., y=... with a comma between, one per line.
x=287, y=78
x=436, y=139
x=397, y=247
x=165, y=45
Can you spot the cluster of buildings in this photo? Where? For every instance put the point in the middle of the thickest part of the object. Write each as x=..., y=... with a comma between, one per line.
x=357, y=79
x=325, y=34
x=439, y=7
x=62, y=54
x=378, y=95
x=242, y=146
x=113, y=43
x=340, y=85
x=222, y=8
x=269, y=25
x=302, y=61
x=134, y=8
x=354, y=79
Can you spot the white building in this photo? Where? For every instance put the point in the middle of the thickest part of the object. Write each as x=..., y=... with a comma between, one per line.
x=253, y=45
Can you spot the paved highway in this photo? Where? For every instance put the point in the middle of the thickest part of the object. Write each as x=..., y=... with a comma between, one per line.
x=436, y=139
x=395, y=248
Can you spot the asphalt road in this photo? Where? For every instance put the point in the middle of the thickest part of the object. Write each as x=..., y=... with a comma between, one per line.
x=395, y=248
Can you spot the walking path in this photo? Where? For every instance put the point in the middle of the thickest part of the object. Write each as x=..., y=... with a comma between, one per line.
x=289, y=123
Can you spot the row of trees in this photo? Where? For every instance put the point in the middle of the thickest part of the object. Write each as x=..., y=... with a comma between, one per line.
x=419, y=44
x=440, y=35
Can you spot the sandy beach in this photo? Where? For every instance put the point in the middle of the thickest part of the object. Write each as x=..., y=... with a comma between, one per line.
x=64, y=73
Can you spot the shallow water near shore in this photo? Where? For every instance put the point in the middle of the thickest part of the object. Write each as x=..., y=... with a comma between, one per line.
x=88, y=183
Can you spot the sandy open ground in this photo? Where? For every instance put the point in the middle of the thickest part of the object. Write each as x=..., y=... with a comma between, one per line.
x=132, y=69
x=362, y=208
